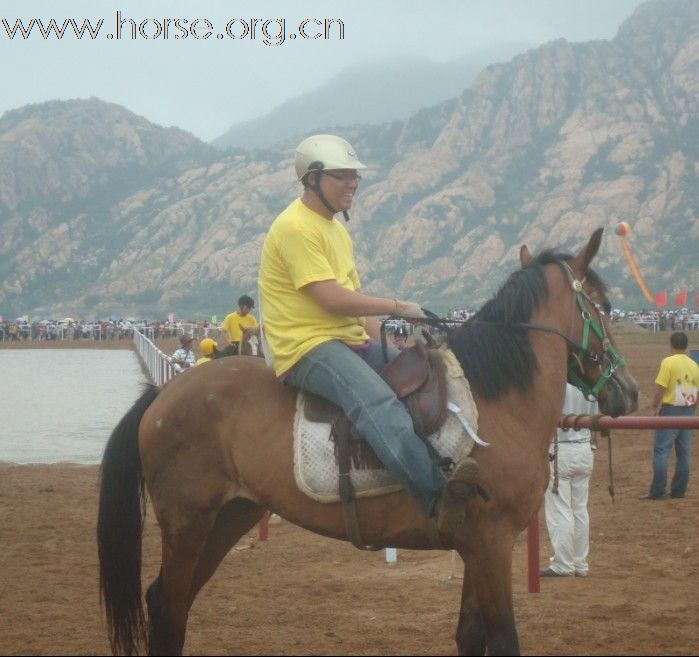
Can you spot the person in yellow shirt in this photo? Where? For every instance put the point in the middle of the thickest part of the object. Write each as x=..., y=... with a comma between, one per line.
x=208, y=350
x=236, y=322
x=675, y=395
x=322, y=332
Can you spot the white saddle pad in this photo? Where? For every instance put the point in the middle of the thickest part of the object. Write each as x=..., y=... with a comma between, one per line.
x=315, y=467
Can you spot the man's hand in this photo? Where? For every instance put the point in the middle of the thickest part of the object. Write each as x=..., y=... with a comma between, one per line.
x=408, y=310
x=658, y=395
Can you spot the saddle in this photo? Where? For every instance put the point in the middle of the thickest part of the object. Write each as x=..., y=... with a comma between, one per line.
x=417, y=376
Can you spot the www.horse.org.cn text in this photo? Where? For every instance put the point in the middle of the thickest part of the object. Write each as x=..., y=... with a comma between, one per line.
x=271, y=32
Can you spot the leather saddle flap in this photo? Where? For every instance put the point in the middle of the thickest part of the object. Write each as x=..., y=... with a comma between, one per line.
x=318, y=409
x=408, y=371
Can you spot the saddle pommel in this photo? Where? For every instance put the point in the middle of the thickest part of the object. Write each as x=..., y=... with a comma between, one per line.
x=408, y=372
x=418, y=377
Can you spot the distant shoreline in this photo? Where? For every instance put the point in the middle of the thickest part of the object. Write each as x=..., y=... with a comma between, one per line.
x=84, y=343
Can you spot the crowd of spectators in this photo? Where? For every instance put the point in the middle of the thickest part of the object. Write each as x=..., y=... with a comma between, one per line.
x=112, y=329
x=682, y=319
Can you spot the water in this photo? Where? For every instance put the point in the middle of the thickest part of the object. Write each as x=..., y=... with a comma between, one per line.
x=59, y=405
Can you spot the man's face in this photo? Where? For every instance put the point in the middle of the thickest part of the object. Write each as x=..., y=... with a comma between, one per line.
x=244, y=310
x=339, y=187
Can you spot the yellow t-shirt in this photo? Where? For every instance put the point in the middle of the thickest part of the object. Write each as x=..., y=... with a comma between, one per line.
x=303, y=247
x=235, y=323
x=679, y=375
x=202, y=360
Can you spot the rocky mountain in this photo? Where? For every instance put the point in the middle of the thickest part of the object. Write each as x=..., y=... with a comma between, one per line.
x=102, y=212
x=372, y=92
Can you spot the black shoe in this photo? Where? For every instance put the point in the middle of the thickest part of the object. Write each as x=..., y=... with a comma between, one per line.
x=459, y=487
x=648, y=496
x=550, y=572
x=677, y=497
x=462, y=482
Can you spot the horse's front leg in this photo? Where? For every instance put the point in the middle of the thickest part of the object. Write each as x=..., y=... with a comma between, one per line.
x=486, y=605
x=470, y=633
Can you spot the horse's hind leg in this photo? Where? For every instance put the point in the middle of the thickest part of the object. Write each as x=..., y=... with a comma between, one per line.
x=168, y=596
x=159, y=630
x=234, y=520
x=183, y=577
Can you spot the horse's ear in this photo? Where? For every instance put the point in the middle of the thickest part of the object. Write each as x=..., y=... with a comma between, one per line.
x=589, y=251
x=525, y=257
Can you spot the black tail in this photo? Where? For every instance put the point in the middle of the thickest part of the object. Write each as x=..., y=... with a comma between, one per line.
x=119, y=529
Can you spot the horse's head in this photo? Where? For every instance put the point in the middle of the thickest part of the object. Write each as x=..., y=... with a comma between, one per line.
x=250, y=344
x=594, y=363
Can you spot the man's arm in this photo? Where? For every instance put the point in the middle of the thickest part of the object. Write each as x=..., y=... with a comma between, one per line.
x=338, y=300
x=658, y=397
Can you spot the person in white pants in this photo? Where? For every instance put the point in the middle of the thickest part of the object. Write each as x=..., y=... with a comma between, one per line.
x=567, y=519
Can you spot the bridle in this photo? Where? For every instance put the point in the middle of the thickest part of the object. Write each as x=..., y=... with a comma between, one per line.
x=609, y=360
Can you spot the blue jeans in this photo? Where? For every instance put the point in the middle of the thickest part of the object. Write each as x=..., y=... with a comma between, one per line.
x=662, y=444
x=349, y=379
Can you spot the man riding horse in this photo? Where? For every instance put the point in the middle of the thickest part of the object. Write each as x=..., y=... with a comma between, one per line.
x=323, y=333
x=236, y=322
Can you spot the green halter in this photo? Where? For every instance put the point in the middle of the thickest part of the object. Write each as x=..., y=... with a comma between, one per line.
x=610, y=360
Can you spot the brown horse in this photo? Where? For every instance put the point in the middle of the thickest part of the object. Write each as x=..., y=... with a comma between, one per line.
x=214, y=458
x=249, y=345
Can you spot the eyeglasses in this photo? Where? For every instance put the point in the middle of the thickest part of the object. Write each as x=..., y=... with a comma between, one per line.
x=349, y=176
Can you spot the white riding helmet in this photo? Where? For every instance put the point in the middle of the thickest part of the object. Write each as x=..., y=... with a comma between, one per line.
x=325, y=153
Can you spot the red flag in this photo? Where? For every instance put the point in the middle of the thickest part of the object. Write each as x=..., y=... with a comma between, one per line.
x=661, y=299
x=681, y=299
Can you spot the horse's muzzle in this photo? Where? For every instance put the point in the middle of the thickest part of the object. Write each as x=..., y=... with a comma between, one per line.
x=621, y=397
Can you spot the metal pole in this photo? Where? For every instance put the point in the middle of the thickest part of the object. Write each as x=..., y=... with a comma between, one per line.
x=533, y=553
x=264, y=526
x=596, y=422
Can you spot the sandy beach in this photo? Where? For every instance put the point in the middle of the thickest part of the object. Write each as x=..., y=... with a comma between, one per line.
x=302, y=594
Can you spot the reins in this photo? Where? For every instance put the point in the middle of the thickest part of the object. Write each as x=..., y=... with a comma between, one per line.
x=580, y=350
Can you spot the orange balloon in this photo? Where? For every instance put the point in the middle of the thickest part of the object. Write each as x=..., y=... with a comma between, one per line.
x=622, y=229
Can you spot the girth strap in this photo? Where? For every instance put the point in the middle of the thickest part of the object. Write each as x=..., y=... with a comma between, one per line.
x=341, y=429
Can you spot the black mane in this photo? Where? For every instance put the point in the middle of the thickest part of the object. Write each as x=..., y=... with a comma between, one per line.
x=497, y=357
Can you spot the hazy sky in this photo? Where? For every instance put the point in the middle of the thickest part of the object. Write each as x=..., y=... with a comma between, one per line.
x=205, y=85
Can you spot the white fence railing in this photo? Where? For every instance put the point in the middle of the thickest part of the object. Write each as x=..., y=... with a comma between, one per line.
x=157, y=363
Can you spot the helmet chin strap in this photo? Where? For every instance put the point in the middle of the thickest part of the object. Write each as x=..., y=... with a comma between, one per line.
x=319, y=193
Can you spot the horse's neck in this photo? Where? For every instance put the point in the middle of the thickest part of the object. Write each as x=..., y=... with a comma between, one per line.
x=551, y=351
